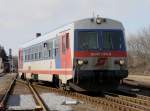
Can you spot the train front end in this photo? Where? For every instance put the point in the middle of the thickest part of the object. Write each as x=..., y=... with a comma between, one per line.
x=100, y=57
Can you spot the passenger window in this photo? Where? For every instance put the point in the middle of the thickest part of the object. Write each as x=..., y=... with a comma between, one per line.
x=36, y=57
x=25, y=57
x=32, y=56
x=49, y=53
x=67, y=40
x=45, y=52
x=63, y=44
x=28, y=57
x=56, y=51
x=40, y=55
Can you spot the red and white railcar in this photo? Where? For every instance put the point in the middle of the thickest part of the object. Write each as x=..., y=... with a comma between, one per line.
x=89, y=53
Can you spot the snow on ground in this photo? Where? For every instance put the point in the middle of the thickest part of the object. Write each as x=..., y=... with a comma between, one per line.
x=23, y=102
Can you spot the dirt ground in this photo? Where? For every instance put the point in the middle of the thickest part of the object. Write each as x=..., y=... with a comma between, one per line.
x=140, y=80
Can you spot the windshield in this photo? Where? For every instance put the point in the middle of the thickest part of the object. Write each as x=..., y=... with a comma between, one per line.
x=87, y=40
x=112, y=40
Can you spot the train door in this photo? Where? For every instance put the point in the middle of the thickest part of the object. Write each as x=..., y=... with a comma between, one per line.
x=65, y=51
x=57, y=53
x=20, y=63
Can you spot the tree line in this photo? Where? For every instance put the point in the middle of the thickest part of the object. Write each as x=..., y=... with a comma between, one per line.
x=138, y=46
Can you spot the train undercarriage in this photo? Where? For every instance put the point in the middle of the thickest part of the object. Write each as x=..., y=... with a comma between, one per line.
x=97, y=80
x=92, y=81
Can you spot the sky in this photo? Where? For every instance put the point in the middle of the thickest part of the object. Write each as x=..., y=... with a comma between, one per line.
x=21, y=19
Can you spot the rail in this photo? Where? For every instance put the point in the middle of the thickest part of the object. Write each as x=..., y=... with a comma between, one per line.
x=6, y=96
x=38, y=98
x=112, y=104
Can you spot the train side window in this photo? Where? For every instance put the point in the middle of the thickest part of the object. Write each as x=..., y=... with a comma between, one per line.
x=32, y=56
x=67, y=40
x=25, y=57
x=56, y=47
x=21, y=58
x=49, y=53
x=40, y=55
x=36, y=56
x=63, y=44
x=56, y=51
x=45, y=53
x=28, y=57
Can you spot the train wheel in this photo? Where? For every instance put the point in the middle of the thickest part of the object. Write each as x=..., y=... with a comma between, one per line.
x=60, y=84
x=57, y=82
x=30, y=81
x=22, y=76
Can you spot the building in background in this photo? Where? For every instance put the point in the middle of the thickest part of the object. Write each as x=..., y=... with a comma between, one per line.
x=13, y=62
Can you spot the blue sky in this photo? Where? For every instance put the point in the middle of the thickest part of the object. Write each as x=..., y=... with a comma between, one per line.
x=21, y=19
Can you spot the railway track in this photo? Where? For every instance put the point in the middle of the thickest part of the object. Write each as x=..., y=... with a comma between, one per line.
x=40, y=105
x=38, y=98
x=140, y=104
x=5, y=97
x=112, y=103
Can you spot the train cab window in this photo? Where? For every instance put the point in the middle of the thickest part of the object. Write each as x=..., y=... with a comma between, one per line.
x=107, y=43
x=117, y=42
x=112, y=40
x=88, y=40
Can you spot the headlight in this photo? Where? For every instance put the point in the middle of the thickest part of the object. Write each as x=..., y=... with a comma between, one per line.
x=98, y=20
x=122, y=62
x=80, y=62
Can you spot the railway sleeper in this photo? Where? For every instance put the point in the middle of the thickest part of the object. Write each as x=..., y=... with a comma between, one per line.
x=128, y=103
x=136, y=100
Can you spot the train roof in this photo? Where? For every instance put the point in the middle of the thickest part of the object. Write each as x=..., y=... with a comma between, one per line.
x=87, y=23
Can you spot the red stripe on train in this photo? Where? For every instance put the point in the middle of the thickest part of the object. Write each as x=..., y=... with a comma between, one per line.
x=46, y=72
x=100, y=54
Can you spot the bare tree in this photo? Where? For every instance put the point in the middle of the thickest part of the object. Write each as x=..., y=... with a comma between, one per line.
x=139, y=47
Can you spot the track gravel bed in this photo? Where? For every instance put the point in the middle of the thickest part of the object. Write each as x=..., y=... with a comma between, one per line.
x=55, y=101
x=108, y=103
x=129, y=101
